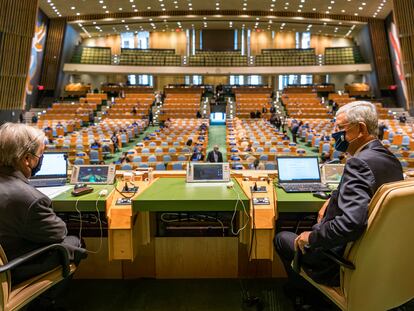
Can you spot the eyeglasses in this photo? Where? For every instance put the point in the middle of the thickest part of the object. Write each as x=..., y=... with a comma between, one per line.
x=342, y=127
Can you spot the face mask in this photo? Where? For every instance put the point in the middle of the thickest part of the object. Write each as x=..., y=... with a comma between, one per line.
x=36, y=169
x=341, y=144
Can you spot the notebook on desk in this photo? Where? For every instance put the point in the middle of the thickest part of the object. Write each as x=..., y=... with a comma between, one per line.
x=54, y=171
x=300, y=174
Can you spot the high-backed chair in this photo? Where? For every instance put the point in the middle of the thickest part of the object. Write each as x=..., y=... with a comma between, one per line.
x=15, y=297
x=383, y=257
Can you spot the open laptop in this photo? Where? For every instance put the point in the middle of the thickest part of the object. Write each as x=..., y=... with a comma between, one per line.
x=300, y=174
x=54, y=171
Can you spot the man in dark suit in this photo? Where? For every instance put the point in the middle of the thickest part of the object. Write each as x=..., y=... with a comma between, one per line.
x=27, y=220
x=215, y=156
x=343, y=218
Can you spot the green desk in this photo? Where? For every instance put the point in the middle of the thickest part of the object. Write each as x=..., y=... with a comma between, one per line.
x=65, y=202
x=297, y=202
x=174, y=194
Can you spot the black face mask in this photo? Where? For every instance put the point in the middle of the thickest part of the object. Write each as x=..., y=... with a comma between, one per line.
x=37, y=168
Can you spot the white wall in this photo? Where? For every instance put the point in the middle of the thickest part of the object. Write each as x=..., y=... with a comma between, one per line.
x=340, y=79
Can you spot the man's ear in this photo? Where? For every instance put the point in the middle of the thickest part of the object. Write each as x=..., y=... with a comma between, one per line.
x=363, y=128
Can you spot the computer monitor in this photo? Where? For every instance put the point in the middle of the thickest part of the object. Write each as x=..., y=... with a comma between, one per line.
x=93, y=174
x=208, y=172
x=332, y=173
x=298, y=169
x=54, y=165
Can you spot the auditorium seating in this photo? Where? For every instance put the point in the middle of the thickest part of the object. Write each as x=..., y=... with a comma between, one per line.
x=218, y=58
x=247, y=103
x=286, y=57
x=92, y=55
x=180, y=105
x=122, y=108
x=305, y=106
x=343, y=55
x=149, y=57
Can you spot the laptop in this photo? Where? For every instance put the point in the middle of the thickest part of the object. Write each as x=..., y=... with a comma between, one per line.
x=332, y=173
x=54, y=171
x=300, y=174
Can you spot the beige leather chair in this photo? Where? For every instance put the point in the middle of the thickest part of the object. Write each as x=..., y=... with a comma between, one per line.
x=14, y=298
x=383, y=257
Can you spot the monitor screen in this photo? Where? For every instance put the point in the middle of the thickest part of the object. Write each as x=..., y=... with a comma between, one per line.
x=54, y=165
x=208, y=172
x=93, y=174
x=297, y=169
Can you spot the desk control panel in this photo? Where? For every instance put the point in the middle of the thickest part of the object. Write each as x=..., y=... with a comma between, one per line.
x=123, y=201
x=261, y=201
x=258, y=189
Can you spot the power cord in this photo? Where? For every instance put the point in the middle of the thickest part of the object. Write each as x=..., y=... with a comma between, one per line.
x=235, y=212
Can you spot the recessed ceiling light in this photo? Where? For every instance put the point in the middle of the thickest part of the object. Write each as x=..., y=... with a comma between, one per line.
x=77, y=14
x=72, y=8
x=148, y=7
x=120, y=9
x=106, y=12
x=104, y=7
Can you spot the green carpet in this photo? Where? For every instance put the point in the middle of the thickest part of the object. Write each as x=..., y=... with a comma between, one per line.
x=217, y=136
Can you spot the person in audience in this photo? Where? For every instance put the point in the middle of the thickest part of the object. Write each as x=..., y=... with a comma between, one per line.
x=264, y=109
x=95, y=145
x=59, y=125
x=325, y=157
x=295, y=128
x=325, y=137
x=215, y=156
x=27, y=219
x=402, y=118
x=285, y=136
x=258, y=114
x=272, y=109
x=203, y=127
x=21, y=116
x=249, y=148
x=34, y=118
x=150, y=118
x=134, y=111
x=335, y=108
x=252, y=115
x=189, y=142
x=343, y=218
x=115, y=141
x=102, y=162
x=381, y=128
x=198, y=114
x=197, y=155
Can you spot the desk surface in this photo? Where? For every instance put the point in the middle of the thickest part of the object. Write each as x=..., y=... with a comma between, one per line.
x=65, y=202
x=174, y=194
x=297, y=202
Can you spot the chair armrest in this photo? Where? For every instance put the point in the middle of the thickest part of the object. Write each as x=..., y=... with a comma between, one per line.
x=26, y=257
x=339, y=260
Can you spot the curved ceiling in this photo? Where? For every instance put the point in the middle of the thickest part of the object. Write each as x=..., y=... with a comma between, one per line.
x=96, y=17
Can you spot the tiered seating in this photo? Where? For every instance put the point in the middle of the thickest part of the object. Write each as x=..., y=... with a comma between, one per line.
x=218, y=58
x=166, y=148
x=305, y=105
x=180, y=105
x=358, y=89
x=149, y=57
x=286, y=57
x=266, y=144
x=343, y=55
x=92, y=55
x=69, y=111
x=77, y=89
x=97, y=98
x=252, y=102
x=123, y=107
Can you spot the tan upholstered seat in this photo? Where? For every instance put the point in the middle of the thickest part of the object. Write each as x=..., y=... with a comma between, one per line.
x=14, y=298
x=383, y=256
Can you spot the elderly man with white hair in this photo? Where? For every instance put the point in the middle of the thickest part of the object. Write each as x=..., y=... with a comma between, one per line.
x=27, y=220
x=343, y=218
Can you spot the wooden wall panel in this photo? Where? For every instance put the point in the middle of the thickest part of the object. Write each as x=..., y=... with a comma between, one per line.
x=17, y=26
x=381, y=53
x=53, y=52
x=403, y=12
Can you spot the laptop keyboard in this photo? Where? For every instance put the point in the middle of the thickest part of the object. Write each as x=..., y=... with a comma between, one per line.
x=305, y=187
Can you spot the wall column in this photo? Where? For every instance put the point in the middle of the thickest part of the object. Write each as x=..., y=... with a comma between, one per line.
x=403, y=12
x=17, y=27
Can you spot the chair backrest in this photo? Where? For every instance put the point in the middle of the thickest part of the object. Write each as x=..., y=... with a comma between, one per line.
x=5, y=281
x=383, y=256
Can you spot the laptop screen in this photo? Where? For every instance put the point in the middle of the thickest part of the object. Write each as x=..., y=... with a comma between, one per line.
x=54, y=165
x=298, y=169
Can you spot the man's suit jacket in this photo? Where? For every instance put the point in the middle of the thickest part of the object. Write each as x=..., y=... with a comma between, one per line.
x=27, y=220
x=210, y=157
x=347, y=213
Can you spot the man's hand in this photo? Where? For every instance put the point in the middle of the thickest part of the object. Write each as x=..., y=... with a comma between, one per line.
x=302, y=240
x=322, y=211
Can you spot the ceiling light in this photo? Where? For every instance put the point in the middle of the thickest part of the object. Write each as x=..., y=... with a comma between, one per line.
x=72, y=8
x=77, y=14
x=104, y=7
x=148, y=7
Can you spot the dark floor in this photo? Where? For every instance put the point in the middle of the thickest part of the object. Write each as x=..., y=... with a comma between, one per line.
x=172, y=295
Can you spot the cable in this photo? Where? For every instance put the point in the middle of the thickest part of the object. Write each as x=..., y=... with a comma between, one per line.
x=234, y=214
